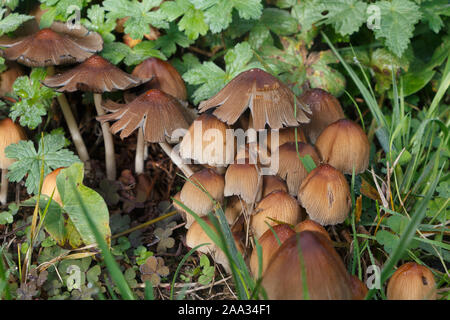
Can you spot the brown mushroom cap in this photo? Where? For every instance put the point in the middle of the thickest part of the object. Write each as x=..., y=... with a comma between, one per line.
x=56, y=45
x=164, y=77
x=343, y=144
x=269, y=245
x=325, y=109
x=196, y=236
x=273, y=183
x=242, y=180
x=233, y=209
x=359, y=289
x=96, y=74
x=325, y=195
x=196, y=199
x=270, y=101
x=207, y=142
x=310, y=225
x=290, y=167
x=10, y=133
x=49, y=184
x=284, y=135
x=412, y=282
x=326, y=275
x=279, y=206
x=158, y=114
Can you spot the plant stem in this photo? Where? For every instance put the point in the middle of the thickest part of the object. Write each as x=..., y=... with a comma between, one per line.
x=140, y=146
x=110, y=159
x=4, y=187
x=71, y=123
x=176, y=159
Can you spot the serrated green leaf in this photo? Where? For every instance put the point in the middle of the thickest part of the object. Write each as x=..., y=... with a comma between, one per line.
x=173, y=37
x=12, y=21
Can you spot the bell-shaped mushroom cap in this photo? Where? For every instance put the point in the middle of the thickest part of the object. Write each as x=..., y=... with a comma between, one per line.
x=325, y=109
x=178, y=208
x=233, y=209
x=412, y=282
x=52, y=46
x=359, y=289
x=273, y=183
x=195, y=198
x=278, y=206
x=207, y=142
x=269, y=245
x=326, y=275
x=196, y=236
x=158, y=114
x=284, y=135
x=96, y=74
x=164, y=77
x=291, y=168
x=252, y=153
x=270, y=101
x=310, y=225
x=325, y=195
x=344, y=145
x=49, y=184
x=242, y=180
x=10, y=133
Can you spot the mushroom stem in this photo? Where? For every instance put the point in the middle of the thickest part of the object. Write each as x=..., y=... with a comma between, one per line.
x=4, y=187
x=140, y=150
x=176, y=159
x=110, y=159
x=71, y=123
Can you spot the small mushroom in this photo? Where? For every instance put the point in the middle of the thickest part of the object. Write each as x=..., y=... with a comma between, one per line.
x=269, y=245
x=243, y=180
x=196, y=236
x=207, y=142
x=326, y=276
x=10, y=133
x=310, y=225
x=277, y=207
x=49, y=186
x=344, y=145
x=157, y=114
x=290, y=167
x=269, y=100
x=412, y=281
x=193, y=193
x=96, y=75
x=325, y=109
x=325, y=195
x=359, y=289
x=273, y=183
x=284, y=135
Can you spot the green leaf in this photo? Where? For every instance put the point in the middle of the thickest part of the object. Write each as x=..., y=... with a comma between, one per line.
x=346, y=16
x=6, y=217
x=432, y=12
x=173, y=37
x=115, y=52
x=60, y=10
x=12, y=21
x=398, y=18
x=92, y=201
x=307, y=13
x=29, y=160
x=96, y=21
x=142, y=51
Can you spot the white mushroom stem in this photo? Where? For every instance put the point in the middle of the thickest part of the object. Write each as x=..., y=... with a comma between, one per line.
x=4, y=187
x=71, y=124
x=110, y=158
x=139, y=159
x=175, y=157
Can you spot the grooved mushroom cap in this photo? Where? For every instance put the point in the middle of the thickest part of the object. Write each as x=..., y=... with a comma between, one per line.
x=193, y=195
x=196, y=236
x=207, y=142
x=273, y=183
x=49, y=184
x=325, y=195
x=326, y=275
x=269, y=245
x=96, y=74
x=343, y=144
x=233, y=209
x=310, y=225
x=412, y=282
x=270, y=101
x=325, y=109
x=164, y=77
x=242, y=180
x=155, y=111
x=284, y=135
x=52, y=46
x=290, y=167
x=10, y=133
x=279, y=206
